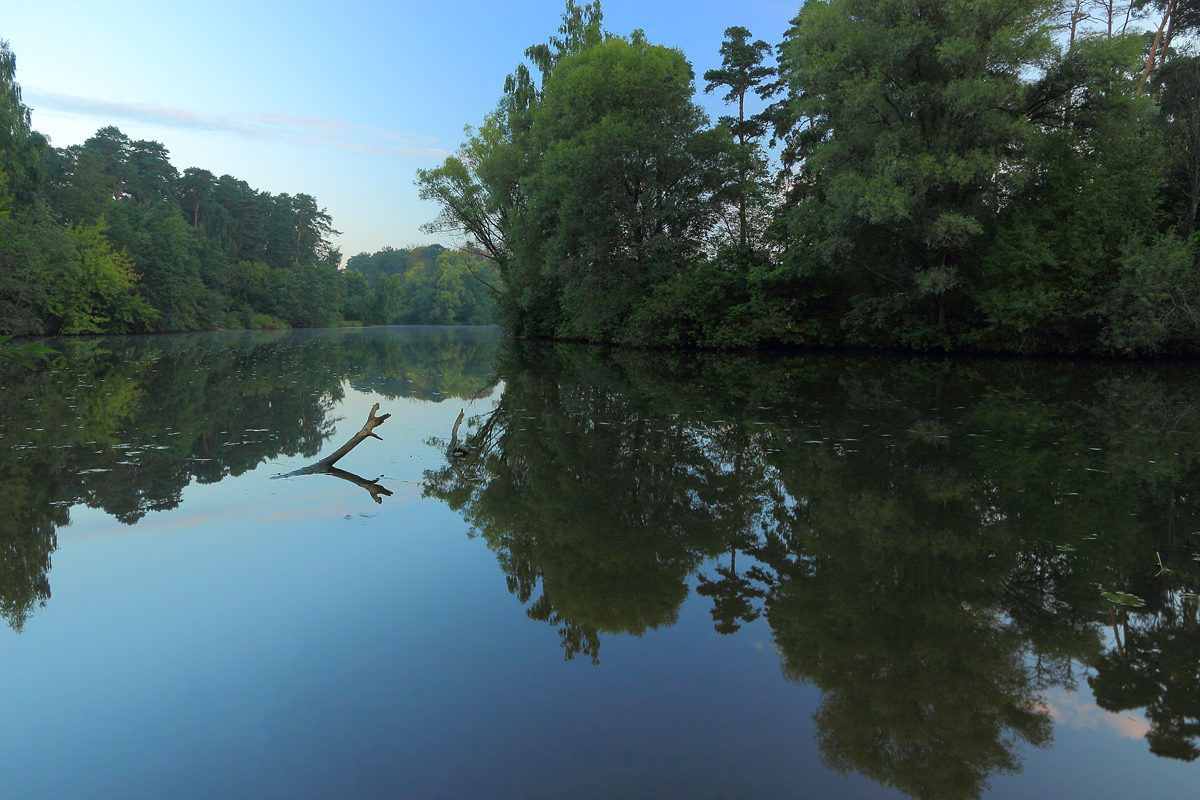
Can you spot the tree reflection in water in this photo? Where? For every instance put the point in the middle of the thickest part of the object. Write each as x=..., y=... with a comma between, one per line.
x=929, y=541
x=124, y=424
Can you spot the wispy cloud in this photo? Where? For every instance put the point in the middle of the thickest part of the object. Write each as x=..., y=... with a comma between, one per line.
x=316, y=132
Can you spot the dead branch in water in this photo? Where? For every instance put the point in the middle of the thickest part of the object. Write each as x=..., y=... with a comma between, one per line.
x=376, y=491
x=456, y=450
x=325, y=465
x=366, y=432
x=478, y=442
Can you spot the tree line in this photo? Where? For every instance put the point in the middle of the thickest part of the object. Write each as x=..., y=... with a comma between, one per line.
x=1000, y=175
x=109, y=237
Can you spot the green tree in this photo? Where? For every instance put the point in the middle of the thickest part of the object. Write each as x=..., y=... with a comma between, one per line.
x=388, y=261
x=902, y=120
x=1177, y=85
x=194, y=189
x=314, y=226
x=255, y=288
x=21, y=148
x=452, y=303
x=1082, y=188
x=97, y=291
x=241, y=222
x=389, y=301
x=1155, y=303
x=165, y=252
x=112, y=167
x=356, y=292
x=625, y=188
x=589, y=188
x=153, y=178
x=311, y=295
x=741, y=71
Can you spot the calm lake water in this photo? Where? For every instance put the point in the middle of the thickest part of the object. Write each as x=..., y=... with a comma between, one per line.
x=649, y=576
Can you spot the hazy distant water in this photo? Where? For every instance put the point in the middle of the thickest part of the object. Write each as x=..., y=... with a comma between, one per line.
x=650, y=575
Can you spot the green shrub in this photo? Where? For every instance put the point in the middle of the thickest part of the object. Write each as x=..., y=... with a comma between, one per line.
x=267, y=322
x=1155, y=304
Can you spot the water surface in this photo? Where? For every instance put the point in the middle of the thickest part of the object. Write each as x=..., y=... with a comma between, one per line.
x=644, y=575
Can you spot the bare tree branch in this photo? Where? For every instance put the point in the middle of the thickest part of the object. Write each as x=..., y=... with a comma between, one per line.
x=325, y=465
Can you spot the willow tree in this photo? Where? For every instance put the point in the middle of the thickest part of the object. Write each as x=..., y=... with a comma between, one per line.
x=20, y=146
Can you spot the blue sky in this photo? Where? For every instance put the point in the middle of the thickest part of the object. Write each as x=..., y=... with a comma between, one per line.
x=343, y=102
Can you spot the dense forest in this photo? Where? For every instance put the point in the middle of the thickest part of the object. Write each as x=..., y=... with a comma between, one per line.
x=109, y=237
x=1002, y=175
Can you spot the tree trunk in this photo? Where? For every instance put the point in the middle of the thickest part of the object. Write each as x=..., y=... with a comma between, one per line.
x=1154, y=47
x=742, y=168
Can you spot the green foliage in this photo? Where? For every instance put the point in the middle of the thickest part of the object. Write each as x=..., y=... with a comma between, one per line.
x=422, y=286
x=1155, y=304
x=742, y=70
x=35, y=250
x=159, y=251
x=591, y=189
x=705, y=304
x=21, y=148
x=954, y=175
x=356, y=295
x=165, y=253
x=260, y=322
x=304, y=296
x=1177, y=86
x=387, y=261
x=108, y=237
x=99, y=294
x=1086, y=183
x=904, y=116
x=626, y=183
x=125, y=243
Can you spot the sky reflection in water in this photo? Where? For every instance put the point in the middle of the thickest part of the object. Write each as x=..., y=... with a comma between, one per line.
x=905, y=558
